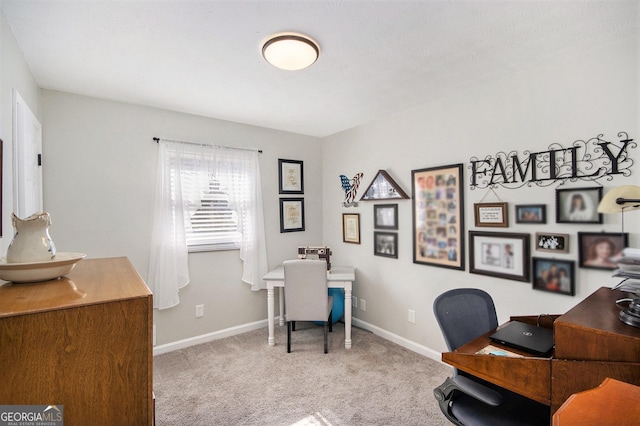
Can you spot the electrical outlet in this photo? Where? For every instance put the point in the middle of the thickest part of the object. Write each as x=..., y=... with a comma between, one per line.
x=363, y=305
x=412, y=316
x=199, y=311
x=354, y=302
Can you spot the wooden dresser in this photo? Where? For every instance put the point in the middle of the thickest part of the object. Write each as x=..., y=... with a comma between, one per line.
x=83, y=341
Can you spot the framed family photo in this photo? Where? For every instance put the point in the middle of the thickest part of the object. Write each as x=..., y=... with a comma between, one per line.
x=554, y=275
x=290, y=177
x=531, y=213
x=494, y=215
x=595, y=249
x=351, y=228
x=578, y=205
x=438, y=221
x=385, y=216
x=555, y=243
x=291, y=214
x=385, y=244
x=499, y=254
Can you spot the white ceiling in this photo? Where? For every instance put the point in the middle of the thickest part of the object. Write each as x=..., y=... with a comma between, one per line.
x=377, y=57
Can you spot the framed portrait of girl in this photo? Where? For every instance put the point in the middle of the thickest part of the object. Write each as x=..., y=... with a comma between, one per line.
x=578, y=205
x=596, y=249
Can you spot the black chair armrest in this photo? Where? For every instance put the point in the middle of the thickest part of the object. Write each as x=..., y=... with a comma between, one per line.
x=469, y=387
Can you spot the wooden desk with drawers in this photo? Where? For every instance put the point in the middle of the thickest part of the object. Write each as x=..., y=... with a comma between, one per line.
x=591, y=344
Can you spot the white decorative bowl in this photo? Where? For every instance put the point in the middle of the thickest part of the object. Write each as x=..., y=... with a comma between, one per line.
x=31, y=272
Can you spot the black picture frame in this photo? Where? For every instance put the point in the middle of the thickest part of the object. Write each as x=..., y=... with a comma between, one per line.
x=351, y=228
x=438, y=216
x=554, y=275
x=291, y=214
x=596, y=248
x=290, y=176
x=531, y=213
x=500, y=254
x=552, y=242
x=568, y=211
x=385, y=216
x=385, y=244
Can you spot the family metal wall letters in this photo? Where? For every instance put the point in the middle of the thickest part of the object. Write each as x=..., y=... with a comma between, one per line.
x=589, y=160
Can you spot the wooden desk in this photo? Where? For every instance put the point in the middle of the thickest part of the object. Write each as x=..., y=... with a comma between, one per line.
x=529, y=376
x=613, y=403
x=83, y=341
x=338, y=277
x=591, y=344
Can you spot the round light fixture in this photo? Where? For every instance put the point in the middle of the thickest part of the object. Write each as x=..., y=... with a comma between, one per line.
x=290, y=51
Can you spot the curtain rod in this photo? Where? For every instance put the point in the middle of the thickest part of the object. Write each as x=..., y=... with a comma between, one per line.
x=157, y=140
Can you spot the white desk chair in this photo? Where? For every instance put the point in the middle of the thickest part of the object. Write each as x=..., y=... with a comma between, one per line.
x=306, y=295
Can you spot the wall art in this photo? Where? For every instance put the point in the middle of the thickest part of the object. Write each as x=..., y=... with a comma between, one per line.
x=385, y=244
x=556, y=243
x=531, y=213
x=578, y=205
x=495, y=215
x=499, y=254
x=351, y=228
x=291, y=214
x=595, y=249
x=385, y=216
x=589, y=160
x=554, y=275
x=290, y=177
x=383, y=187
x=438, y=218
x=350, y=188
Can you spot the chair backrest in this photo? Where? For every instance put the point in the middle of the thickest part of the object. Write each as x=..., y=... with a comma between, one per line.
x=464, y=314
x=306, y=295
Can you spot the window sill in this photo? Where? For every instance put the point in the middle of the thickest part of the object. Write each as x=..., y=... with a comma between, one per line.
x=212, y=247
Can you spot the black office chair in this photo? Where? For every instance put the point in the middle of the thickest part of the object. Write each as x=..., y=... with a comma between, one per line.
x=464, y=314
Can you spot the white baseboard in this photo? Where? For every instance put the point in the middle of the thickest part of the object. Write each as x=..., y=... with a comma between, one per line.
x=398, y=340
x=204, y=338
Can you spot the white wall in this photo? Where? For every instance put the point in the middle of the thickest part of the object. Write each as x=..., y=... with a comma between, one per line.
x=99, y=180
x=577, y=98
x=99, y=168
x=14, y=75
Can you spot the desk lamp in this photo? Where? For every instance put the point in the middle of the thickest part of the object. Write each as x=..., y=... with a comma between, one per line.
x=619, y=200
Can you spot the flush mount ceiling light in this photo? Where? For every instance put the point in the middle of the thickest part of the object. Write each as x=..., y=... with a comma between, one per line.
x=290, y=51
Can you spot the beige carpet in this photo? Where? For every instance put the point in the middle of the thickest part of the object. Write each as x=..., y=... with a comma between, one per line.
x=240, y=380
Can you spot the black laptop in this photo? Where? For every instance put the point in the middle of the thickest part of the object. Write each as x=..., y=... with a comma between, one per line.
x=527, y=337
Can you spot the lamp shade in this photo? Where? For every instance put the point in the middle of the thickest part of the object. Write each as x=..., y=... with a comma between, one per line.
x=623, y=198
x=289, y=51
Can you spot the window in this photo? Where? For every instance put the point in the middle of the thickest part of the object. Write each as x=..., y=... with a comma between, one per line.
x=207, y=184
x=207, y=198
x=213, y=225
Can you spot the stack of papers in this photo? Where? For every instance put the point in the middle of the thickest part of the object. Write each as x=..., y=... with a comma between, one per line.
x=629, y=269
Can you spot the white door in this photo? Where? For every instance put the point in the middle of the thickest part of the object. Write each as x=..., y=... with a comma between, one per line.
x=27, y=160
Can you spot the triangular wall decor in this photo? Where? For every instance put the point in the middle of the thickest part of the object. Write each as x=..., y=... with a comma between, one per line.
x=383, y=187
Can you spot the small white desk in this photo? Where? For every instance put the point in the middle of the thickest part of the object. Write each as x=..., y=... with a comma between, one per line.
x=338, y=277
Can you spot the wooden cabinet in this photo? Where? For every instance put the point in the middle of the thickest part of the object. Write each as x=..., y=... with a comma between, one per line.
x=593, y=344
x=83, y=341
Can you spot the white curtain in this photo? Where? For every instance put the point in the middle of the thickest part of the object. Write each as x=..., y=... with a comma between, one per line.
x=184, y=174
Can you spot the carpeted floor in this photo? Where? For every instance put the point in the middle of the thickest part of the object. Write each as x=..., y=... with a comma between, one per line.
x=240, y=380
